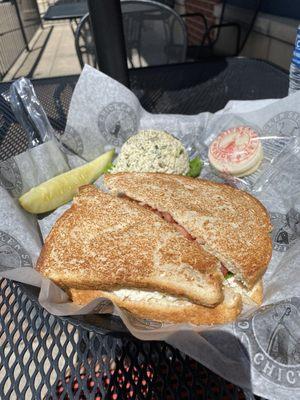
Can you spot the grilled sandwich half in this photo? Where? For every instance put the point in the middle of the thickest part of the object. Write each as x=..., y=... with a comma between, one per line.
x=228, y=223
x=108, y=243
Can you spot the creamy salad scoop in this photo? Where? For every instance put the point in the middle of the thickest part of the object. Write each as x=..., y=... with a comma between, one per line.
x=153, y=151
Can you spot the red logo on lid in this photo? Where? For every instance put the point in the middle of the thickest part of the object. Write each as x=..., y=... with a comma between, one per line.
x=235, y=145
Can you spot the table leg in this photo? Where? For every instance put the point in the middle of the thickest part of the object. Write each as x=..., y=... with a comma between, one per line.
x=73, y=24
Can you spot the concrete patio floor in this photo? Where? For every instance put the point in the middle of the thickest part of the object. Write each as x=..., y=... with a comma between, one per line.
x=52, y=53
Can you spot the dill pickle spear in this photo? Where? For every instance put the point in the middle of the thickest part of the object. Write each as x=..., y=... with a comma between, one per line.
x=61, y=189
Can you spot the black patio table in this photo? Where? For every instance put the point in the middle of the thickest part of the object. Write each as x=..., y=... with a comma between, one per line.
x=94, y=357
x=71, y=11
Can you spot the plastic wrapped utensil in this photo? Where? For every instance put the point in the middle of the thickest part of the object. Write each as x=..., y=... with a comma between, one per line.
x=29, y=112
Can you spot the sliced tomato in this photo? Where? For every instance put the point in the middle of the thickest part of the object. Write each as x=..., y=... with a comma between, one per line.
x=168, y=217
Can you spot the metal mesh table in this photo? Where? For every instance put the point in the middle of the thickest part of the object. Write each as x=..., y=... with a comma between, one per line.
x=66, y=11
x=94, y=357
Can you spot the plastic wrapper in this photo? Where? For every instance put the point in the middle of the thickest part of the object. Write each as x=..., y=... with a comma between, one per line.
x=28, y=112
x=274, y=135
x=260, y=351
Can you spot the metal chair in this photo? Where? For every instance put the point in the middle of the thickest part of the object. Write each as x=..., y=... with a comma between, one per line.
x=154, y=35
x=229, y=36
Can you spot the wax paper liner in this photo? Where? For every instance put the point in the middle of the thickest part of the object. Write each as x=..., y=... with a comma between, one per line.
x=260, y=351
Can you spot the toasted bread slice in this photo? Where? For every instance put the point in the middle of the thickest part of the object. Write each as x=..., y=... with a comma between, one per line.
x=109, y=243
x=158, y=306
x=230, y=224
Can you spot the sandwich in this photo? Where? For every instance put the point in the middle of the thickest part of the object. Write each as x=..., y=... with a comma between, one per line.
x=105, y=246
x=164, y=247
x=226, y=222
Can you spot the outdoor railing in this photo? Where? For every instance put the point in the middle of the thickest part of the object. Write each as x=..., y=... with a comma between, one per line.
x=19, y=20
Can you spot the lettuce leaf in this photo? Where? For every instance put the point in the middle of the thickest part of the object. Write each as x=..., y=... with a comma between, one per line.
x=196, y=165
x=228, y=275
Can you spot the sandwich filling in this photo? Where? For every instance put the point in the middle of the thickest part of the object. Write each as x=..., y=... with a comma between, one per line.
x=168, y=217
x=144, y=295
